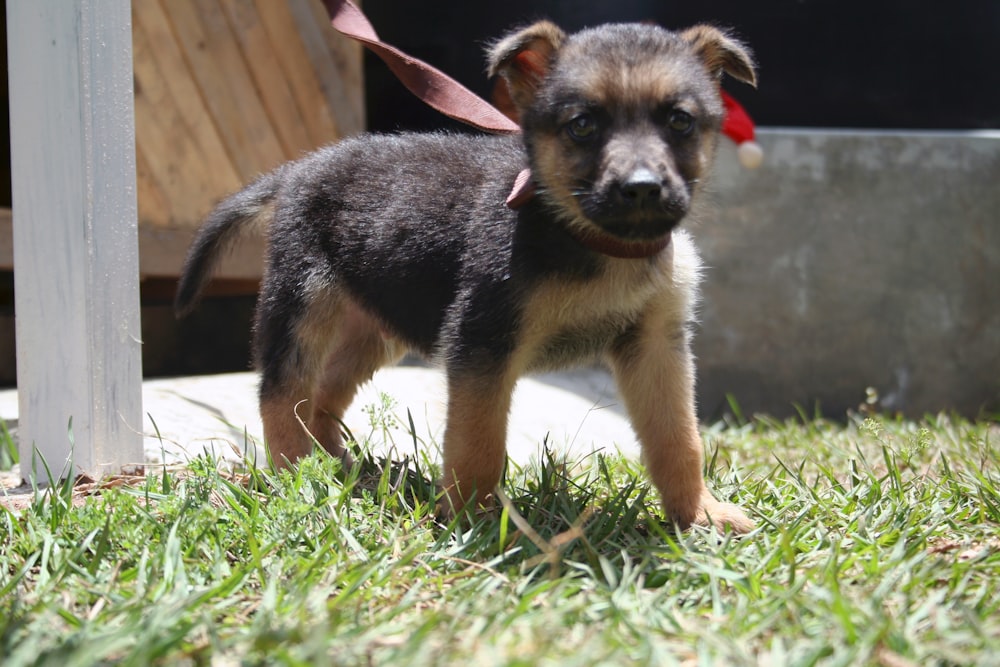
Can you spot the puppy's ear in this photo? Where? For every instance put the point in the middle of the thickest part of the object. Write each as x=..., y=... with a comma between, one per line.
x=523, y=58
x=721, y=53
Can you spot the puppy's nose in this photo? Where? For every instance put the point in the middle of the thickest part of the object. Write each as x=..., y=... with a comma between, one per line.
x=641, y=188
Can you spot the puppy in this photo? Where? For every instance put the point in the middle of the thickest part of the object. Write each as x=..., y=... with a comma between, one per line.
x=379, y=245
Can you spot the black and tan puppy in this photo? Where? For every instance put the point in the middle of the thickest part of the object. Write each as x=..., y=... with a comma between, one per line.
x=383, y=244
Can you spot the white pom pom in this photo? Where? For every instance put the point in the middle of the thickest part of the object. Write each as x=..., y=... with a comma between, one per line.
x=750, y=154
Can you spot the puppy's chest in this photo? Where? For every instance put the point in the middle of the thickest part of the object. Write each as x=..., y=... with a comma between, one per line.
x=568, y=322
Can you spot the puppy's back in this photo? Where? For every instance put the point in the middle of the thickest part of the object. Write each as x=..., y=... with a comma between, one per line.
x=400, y=222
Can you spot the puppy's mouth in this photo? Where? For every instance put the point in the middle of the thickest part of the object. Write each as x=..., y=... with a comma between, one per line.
x=634, y=228
x=599, y=241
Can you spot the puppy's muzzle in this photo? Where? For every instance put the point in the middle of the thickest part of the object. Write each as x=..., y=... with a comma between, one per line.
x=638, y=206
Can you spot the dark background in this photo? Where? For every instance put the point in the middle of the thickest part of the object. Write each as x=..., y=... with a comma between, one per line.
x=823, y=63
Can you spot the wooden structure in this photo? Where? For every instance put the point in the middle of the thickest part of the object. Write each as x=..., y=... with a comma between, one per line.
x=113, y=168
x=226, y=90
x=77, y=293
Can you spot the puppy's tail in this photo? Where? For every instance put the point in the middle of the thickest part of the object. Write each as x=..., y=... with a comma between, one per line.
x=220, y=230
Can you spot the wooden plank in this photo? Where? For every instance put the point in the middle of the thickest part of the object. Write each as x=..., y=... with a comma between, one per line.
x=215, y=104
x=169, y=154
x=77, y=288
x=154, y=206
x=213, y=56
x=337, y=61
x=161, y=291
x=153, y=27
x=162, y=251
x=296, y=65
x=272, y=84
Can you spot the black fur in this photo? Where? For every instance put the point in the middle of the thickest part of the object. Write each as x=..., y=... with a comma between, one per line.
x=222, y=228
x=388, y=217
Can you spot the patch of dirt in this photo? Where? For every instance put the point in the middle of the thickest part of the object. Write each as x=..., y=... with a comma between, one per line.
x=17, y=495
x=964, y=551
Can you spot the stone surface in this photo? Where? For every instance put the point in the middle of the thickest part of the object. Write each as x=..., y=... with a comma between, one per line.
x=851, y=260
x=575, y=413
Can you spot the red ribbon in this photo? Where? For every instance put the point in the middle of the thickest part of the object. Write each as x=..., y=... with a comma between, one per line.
x=431, y=85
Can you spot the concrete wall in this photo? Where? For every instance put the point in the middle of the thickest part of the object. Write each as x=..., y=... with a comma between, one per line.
x=851, y=260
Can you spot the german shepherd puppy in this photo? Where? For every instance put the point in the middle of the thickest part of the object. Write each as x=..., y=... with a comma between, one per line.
x=379, y=245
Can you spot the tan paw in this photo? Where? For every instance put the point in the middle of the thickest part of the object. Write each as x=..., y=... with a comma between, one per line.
x=722, y=515
x=453, y=504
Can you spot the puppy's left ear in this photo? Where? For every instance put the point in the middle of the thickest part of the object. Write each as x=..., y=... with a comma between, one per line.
x=524, y=58
x=722, y=53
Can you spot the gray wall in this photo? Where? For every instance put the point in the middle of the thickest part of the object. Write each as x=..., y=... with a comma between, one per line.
x=851, y=260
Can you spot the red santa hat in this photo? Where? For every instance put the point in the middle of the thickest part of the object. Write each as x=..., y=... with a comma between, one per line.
x=739, y=127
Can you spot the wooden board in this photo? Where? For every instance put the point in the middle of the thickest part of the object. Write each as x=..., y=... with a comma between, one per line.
x=78, y=338
x=226, y=90
x=161, y=249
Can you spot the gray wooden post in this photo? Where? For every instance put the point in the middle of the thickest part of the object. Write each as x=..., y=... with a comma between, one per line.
x=76, y=261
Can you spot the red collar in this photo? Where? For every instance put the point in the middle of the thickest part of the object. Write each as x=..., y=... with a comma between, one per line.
x=612, y=246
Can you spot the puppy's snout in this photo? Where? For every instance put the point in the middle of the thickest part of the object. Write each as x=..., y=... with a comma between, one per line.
x=641, y=189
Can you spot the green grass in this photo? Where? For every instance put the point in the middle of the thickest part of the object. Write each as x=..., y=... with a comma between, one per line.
x=8, y=448
x=878, y=543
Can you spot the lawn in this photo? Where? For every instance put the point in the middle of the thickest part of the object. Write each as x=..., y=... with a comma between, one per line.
x=878, y=542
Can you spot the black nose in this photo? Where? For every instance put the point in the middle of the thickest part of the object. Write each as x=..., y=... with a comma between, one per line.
x=641, y=188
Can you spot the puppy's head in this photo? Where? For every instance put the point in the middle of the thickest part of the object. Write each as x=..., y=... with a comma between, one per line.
x=620, y=121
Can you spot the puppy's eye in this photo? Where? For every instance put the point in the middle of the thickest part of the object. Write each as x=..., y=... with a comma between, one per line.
x=582, y=127
x=681, y=122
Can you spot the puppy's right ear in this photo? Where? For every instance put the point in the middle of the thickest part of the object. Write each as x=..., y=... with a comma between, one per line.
x=721, y=53
x=523, y=58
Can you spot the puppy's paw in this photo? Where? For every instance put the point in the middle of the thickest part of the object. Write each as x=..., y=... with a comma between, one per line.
x=452, y=504
x=722, y=515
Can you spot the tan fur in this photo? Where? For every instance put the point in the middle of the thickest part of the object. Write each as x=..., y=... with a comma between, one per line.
x=286, y=437
x=616, y=87
x=475, y=438
x=345, y=346
x=624, y=291
x=655, y=377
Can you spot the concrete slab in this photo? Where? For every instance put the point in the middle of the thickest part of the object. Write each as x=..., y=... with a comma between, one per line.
x=853, y=259
x=576, y=413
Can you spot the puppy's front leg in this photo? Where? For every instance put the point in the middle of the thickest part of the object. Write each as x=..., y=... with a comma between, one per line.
x=475, y=435
x=654, y=370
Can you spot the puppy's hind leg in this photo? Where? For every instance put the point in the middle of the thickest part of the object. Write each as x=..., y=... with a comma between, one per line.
x=654, y=370
x=296, y=329
x=359, y=348
x=287, y=366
